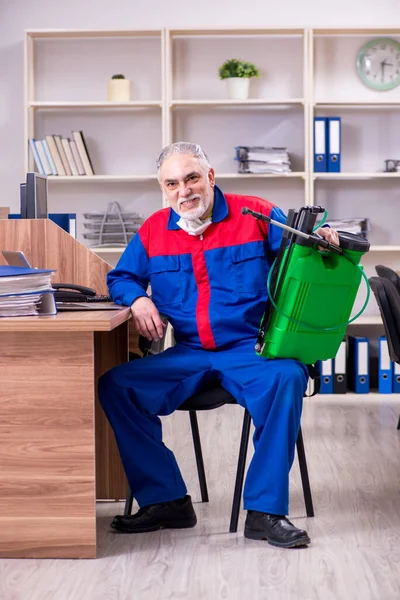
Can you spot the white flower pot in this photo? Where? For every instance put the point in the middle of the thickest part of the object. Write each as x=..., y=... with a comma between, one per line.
x=238, y=88
x=119, y=90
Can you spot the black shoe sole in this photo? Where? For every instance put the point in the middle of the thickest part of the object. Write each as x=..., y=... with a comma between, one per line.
x=260, y=535
x=156, y=527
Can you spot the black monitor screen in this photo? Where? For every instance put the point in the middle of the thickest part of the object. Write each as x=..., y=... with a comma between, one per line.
x=35, y=196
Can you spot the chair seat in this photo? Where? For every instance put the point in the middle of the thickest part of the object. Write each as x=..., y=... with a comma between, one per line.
x=208, y=399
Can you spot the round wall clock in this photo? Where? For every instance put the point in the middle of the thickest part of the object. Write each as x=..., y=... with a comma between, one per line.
x=378, y=64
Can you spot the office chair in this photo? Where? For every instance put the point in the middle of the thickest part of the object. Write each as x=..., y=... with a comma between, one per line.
x=383, y=271
x=211, y=397
x=388, y=299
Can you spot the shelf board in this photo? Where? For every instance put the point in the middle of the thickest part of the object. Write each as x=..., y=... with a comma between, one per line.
x=88, y=33
x=110, y=250
x=384, y=249
x=100, y=178
x=372, y=320
x=235, y=32
x=377, y=175
x=249, y=102
x=358, y=104
x=291, y=175
x=371, y=397
x=102, y=105
x=356, y=32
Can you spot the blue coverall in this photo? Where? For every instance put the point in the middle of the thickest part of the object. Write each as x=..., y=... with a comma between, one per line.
x=213, y=290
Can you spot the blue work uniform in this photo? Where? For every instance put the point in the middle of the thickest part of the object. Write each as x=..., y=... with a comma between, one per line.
x=213, y=289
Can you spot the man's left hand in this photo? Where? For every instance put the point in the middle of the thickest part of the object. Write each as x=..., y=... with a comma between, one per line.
x=331, y=236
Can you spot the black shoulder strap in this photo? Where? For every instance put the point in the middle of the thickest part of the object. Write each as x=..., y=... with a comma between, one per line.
x=316, y=376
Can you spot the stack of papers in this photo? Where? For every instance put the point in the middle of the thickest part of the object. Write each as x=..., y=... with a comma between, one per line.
x=260, y=159
x=26, y=292
x=358, y=225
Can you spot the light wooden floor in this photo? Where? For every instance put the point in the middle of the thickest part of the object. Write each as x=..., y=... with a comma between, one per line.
x=353, y=452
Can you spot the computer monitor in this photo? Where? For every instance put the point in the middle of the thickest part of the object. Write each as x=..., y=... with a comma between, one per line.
x=33, y=196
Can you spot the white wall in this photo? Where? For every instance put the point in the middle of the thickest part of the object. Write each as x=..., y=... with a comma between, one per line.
x=18, y=15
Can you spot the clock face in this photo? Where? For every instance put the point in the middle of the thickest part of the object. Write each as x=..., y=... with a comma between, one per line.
x=378, y=64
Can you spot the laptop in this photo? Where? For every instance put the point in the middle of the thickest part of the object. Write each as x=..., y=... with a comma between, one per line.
x=16, y=258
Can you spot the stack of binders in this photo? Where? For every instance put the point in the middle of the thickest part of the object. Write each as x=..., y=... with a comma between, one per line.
x=26, y=292
x=351, y=370
x=261, y=159
x=327, y=144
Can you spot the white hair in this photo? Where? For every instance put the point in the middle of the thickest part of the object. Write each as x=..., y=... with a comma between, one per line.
x=183, y=148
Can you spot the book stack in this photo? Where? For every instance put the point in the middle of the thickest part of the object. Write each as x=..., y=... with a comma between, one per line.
x=26, y=292
x=57, y=155
x=261, y=159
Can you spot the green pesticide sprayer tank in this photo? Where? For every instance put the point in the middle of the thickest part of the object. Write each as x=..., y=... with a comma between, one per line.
x=313, y=294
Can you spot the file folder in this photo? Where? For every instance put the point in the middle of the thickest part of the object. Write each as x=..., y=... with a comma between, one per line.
x=385, y=368
x=359, y=364
x=340, y=375
x=326, y=369
x=320, y=145
x=396, y=378
x=334, y=127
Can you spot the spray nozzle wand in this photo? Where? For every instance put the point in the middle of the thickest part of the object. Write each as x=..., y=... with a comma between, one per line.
x=318, y=240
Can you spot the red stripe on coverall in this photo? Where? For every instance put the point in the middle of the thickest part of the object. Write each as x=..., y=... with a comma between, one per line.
x=203, y=299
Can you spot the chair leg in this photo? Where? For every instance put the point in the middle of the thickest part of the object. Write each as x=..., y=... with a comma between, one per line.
x=304, y=475
x=128, y=503
x=237, y=495
x=199, y=455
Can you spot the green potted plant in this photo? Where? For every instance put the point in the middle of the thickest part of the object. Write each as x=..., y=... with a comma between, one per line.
x=119, y=89
x=237, y=74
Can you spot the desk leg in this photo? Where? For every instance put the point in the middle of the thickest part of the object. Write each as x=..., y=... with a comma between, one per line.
x=47, y=445
x=111, y=349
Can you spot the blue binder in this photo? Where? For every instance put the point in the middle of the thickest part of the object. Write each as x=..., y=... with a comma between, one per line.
x=320, y=145
x=334, y=135
x=396, y=378
x=326, y=369
x=359, y=364
x=385, y=368
x=66, y=221
x=340, y=372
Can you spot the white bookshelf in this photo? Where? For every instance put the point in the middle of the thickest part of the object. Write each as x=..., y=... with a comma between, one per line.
x=66, y=76
x=370, y=130
x=274, y=115
x=176, y=94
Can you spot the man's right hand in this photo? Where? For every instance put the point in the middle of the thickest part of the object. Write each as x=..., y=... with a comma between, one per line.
x=146, y=319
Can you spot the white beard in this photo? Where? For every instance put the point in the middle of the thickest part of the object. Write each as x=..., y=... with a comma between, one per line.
x=190, y=221
x=195, y=213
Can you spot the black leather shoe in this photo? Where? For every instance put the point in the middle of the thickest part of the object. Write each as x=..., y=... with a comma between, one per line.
x=276, y=529
x=177, y=514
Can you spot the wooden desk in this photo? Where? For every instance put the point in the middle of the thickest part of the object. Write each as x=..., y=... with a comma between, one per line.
x=49, y=368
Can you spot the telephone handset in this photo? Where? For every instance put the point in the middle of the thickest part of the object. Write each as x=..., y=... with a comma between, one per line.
x=71, y=292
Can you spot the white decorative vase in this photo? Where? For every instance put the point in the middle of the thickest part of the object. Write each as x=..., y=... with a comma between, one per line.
x=119, y=90
x=238, y=88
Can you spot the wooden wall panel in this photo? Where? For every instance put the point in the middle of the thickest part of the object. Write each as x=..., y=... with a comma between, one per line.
x=47, y=246
x=47, y=445
x=111, y=349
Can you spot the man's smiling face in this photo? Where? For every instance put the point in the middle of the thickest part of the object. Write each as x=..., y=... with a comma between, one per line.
x=188, y=185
